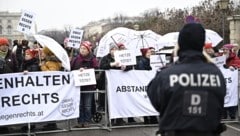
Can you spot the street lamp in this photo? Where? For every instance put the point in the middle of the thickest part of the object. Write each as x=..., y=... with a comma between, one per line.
x=223, y=5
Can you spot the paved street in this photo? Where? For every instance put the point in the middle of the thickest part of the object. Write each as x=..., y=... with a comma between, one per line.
x=233, y=129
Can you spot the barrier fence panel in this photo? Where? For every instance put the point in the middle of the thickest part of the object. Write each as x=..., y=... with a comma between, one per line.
x=124, y=97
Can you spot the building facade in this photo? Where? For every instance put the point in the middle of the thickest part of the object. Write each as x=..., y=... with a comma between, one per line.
x=234, y=22
x=8, y=26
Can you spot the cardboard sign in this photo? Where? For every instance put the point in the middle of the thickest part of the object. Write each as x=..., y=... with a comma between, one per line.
x=157, y=61
x=125, y=57
x=75, y=38
x=85, y=77
x=26, y=22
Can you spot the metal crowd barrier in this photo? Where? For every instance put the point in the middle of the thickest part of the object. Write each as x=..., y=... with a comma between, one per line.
x=105, y=122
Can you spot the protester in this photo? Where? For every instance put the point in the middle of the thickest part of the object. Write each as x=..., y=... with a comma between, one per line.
x=108, y=62
x=8, y=64
x=144, y=64
x=189, y=95
x=30, y=64
x=232, y=62
x=49, y=62
x=209, y=50
x=21, y=48
x=85, y=60
x=231, y=57
x=8, y=61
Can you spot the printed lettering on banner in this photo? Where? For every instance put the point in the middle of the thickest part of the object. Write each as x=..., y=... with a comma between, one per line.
x=75, y=38
x=26, y=22
x=38, y=97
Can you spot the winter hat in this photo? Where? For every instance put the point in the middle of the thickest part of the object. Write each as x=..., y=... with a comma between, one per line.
x=31, y=52
x=208, y=46
x=228, y=46
x=144, y=51
x=4, y=41
x=120, y=45
x=88, y=45
x=191, y=37
x=47, y=51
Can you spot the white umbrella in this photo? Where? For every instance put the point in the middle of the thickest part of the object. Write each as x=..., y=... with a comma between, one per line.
x=143, y=39
x=56, y=48
x=213, y=37
x=171, y=39
x=117, y=35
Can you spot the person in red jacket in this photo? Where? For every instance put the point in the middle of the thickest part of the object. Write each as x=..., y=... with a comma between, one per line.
x=231, y=57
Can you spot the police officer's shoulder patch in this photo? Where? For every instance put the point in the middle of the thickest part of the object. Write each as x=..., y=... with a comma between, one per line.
x=195, y=103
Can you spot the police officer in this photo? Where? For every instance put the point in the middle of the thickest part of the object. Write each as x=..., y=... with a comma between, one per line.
x=189, y=95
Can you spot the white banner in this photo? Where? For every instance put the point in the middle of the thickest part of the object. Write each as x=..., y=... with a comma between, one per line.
x=26, y=22
x=127, y=95
x=38, y=97
x=85, y=77
x=231, y=79
x=75, y=38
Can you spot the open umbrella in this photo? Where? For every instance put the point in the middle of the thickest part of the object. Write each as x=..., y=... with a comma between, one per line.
x=213, y=37
x=143, y=39
x=56, y=48
x=171, y=39
x=117, y=35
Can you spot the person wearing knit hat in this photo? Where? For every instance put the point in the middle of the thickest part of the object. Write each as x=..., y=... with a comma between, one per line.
x=4, y=41
x=4, y=44
x=209, y=50
x=8, y=64
x=85, y=60
x=121, y=46
x=8, y=61
x=87, y=45
x=191, y=83
x=50, y=62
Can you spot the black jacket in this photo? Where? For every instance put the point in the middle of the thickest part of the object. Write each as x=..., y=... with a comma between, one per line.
x=189, y=94
x=31, y=65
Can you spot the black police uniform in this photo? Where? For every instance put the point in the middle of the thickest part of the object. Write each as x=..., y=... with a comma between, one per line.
x=189, y=96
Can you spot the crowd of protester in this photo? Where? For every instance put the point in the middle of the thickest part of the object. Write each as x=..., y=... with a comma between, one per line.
x=27, y=58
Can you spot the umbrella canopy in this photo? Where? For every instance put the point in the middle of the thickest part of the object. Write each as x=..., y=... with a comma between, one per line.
x=130, y=38
x=213, y=37
x=171, y=39
x=56, y=48
x=143, y=39
x=117, y=35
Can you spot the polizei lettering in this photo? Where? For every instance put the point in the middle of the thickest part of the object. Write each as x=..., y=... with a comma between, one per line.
x=131, y=89
x=201, y=80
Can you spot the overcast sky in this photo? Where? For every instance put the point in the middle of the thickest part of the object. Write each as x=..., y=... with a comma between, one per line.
x=77, y=13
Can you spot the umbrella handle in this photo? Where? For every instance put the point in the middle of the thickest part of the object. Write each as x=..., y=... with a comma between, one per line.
x=39, y=56
x=114, y=40
x=71, y=53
